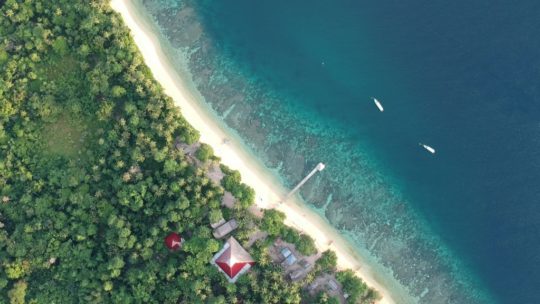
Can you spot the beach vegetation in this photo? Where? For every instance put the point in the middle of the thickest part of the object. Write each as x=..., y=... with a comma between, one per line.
x=272, y=222
x=357, y=290
x=232, y=182
x=303, y=242
x=204, y=153
x=327, y=263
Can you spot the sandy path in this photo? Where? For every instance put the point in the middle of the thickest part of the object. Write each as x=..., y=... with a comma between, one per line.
x=268, y=191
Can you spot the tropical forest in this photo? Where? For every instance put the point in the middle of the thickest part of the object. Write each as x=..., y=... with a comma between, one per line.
x=94, y=175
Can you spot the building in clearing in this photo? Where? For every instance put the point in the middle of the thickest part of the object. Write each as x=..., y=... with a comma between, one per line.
x=233, y=260
x=225, y=229
x=291, y=259
x=173, y=241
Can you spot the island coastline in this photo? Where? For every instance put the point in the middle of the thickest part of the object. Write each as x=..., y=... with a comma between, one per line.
x=228, y=146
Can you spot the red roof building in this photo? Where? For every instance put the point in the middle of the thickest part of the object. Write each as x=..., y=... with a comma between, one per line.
x=233, y=260
x=173, y=241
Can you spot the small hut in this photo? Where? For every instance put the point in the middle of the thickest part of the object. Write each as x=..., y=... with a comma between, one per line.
x=225, y=229
x=173, y=241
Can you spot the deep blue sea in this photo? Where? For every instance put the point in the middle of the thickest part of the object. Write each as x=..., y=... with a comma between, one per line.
x=294, y=79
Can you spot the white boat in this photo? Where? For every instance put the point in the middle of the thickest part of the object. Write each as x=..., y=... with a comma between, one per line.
x=430, y=149
x=378, y=104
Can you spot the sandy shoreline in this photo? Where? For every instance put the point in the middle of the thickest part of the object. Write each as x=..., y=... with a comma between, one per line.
x=267, y=188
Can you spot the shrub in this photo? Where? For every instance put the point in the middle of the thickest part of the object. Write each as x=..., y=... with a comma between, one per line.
x=304, y=243
x=327, y=262
x=215, y=215
x=204, y=153
x=272, y=222
x=60, y=46
x=356, y=288
x=118, y=91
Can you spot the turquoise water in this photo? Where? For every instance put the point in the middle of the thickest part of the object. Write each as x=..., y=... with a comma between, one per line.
x=294, y=80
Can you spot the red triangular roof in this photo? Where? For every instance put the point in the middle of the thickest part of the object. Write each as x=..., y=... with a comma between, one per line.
x=234, y=258
x=173, y=241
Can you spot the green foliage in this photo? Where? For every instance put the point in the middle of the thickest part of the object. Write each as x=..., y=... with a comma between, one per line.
x=351, y=284
x=93, y=185
x=327, y=262
x=215, y=215
x=60, y=46
x=232, y=182
x=267, y=286
x=118, y=91
x=3, y=56
x=18, y=293
x=333, y=300
x=217, y=300
x=323, y=298
x=188, y=135
x=16, y=270
x=105, y=111
x=356, y=288
x=204, y=153
x=65, y=136
x=272, y=222
x=90, y=182
x=303, y=242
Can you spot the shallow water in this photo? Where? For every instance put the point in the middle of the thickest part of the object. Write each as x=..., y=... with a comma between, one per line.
x=294, y=79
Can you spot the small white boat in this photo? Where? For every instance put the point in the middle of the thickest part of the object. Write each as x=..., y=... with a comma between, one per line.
x=378, y=104
x=430, y=149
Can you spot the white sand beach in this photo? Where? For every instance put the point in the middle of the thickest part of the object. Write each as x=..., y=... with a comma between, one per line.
x=268, y=190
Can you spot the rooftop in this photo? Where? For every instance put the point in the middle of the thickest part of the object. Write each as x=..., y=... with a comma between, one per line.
x=225, y=229
x=233, y=260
